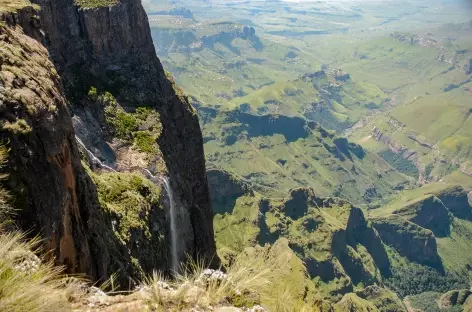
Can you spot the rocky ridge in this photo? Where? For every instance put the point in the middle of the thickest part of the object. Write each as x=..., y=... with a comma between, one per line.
x=201, y=35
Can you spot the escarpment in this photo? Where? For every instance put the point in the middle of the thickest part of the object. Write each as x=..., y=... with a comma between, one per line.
x=108, y=50
x=55, y=197
x=412, y=241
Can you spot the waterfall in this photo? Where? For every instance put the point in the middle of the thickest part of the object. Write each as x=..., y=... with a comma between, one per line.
x=173, y=216
x=155, y=179
x=173, y=225
x=95, y=161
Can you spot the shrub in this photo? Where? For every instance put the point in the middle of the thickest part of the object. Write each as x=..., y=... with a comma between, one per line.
x=401, y=164
x=95, y=3
x=18, y=127
x=145, y=142
x=141, y=127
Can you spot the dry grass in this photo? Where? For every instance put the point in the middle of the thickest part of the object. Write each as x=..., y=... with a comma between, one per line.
x=14, y=5
x=95, y=3
x=246, y=284
x=5, y=209
x=26, y=284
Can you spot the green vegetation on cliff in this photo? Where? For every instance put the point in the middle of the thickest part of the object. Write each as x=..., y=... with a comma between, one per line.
x=141, y=127
x=337, y=248
x=14, y=5
x=136, y=213
x=452, y=301
x=90, y=4
x=428, y=229
x=343, y=252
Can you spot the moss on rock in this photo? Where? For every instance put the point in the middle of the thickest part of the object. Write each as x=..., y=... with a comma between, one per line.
x=141, y=127
x=88, y=4
x=138, y=219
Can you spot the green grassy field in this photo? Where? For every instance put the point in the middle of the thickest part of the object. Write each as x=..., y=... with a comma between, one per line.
x=278, y=153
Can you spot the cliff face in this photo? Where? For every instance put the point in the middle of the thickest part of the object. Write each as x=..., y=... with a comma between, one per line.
x=108, y=45
x=429, y=213
x=110, y=49
x=47, y=177
x=411, y=240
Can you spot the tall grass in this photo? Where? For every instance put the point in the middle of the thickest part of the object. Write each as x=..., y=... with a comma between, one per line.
x=5, y=209
x=35, y=287
x=27, y=283
x=246, y=282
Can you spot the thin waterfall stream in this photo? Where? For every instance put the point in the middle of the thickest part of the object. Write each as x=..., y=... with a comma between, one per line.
x=173, y=225
x=97, y=162
x=173, y=217
x=170, y=194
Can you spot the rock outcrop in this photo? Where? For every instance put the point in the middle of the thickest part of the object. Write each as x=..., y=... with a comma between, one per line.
x=428, y=212
x=454, y=298
x=190, y=38
x=455, y=198
x=351, y=302
x=385, y=300
x=410, y=240
x=110, y=49
x=360, y=231
x=331, y=236
x=394, y=146
x=224, y=190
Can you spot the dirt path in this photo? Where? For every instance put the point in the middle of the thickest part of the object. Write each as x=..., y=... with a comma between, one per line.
x=408, y=306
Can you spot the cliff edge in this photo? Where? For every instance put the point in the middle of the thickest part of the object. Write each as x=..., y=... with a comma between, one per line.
x=51, y=59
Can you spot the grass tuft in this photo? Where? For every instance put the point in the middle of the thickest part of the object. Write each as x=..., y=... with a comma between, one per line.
x=245, y=284
x=26, y=283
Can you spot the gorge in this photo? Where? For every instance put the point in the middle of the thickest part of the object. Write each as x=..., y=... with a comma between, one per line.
x=272, y=156
x=80, y=47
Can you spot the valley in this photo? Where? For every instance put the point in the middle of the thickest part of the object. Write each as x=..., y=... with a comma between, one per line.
x=241, y=155
x=339, y=130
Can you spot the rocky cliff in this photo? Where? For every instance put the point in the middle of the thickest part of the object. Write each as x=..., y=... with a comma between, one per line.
x=414, y=242
x=52, y=191
x=51, y=60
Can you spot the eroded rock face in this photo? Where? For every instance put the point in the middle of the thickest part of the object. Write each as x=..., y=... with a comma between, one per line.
x=224, y=190
x=428, y=212
x=360, y=231
x=46, y=175
x=111, y=49
x=411, y=240
x=456, y=200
